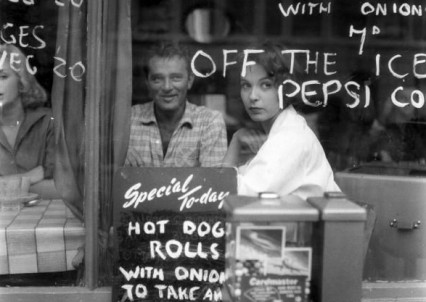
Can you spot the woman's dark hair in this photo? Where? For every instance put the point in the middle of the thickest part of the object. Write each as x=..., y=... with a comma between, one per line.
x=276, y=65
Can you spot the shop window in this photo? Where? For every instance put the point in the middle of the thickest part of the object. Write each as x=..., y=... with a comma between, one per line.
x=43, y=232
x=370, y=122
x=44, y=238
x=378, y=135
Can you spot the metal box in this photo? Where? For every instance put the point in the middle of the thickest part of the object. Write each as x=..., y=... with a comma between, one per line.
x=269, y=253
x=397, y=249
x=290, y=250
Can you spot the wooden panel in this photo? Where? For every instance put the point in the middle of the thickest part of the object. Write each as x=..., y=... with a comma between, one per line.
x=387, y=292
x=394, y=292
x=94, y=87
x=54, y=294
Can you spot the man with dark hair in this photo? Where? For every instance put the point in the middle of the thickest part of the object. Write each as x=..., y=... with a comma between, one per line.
x=169, y=131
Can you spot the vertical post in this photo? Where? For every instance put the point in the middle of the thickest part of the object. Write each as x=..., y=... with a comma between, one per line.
x=91, y=182
x=340, y=242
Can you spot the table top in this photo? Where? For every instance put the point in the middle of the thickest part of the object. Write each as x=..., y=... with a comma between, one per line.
x=42, y=238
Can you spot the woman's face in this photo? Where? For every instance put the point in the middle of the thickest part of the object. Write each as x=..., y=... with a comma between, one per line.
x=259, y=94
x=9, y=85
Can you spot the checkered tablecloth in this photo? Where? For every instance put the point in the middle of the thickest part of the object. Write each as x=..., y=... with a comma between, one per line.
x=42, y=238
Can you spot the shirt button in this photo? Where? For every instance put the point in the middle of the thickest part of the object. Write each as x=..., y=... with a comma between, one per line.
x=157, y=141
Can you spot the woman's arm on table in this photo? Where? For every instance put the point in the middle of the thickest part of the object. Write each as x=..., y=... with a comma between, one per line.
x=34, y=175
x=46, y=189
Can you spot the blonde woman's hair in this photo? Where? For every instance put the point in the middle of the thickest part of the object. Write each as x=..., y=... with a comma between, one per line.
x=32, y=93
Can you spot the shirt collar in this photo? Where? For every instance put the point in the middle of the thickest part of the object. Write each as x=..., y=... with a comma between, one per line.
x=147, y=115
x=187, y=118
x=31, y=117
x=287, y=116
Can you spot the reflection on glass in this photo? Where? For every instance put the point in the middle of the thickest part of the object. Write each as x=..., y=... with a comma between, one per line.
x=207, y=25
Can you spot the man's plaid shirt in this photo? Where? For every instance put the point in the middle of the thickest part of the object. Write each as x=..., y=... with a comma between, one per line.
x=199, y=140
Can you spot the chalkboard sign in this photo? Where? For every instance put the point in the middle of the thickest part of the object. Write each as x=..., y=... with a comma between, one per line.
x=169, y=229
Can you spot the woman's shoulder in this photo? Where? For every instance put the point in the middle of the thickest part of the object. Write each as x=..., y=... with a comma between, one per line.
x=39, y=114
x=293, y=133
x=39, y=110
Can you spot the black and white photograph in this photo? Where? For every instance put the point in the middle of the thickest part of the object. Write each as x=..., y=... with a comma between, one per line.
x=260, y=242
x=212, y=150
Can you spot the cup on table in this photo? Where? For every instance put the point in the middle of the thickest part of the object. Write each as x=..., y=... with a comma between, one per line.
x=12, y=190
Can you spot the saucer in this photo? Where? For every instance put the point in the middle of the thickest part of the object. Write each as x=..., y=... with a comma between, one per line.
x=22, y=200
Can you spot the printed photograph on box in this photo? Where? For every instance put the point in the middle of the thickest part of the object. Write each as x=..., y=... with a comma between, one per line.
x=260, y=242
x=274, y=289
x=285, y=279
x=249, y=267
x=296, y=261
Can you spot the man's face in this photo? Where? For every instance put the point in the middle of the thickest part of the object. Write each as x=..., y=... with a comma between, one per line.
x=168, y=82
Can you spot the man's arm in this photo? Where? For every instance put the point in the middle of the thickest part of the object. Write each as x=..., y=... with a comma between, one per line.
x=213, y=142
x=231, y=158
x=244, y=145
x=133, y=156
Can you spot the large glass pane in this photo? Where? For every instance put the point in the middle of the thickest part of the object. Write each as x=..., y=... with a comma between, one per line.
x=42, y=67
x=361, y=90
